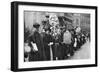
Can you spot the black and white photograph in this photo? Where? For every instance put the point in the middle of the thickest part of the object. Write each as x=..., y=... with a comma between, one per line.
x=53, y=36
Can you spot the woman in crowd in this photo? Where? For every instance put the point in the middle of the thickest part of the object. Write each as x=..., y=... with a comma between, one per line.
x=47, y=39
x=67, y=44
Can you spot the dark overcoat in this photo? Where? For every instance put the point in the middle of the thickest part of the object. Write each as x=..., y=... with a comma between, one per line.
x=40, y=54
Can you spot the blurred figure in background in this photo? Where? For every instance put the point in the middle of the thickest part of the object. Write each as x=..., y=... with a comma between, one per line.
x=67, y=43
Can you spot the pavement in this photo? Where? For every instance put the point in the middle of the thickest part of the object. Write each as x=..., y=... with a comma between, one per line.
x=83, y=52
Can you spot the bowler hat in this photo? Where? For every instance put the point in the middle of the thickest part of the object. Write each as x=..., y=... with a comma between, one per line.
x=36, y=25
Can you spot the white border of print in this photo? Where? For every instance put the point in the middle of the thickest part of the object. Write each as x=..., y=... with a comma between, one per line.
x=22, y=64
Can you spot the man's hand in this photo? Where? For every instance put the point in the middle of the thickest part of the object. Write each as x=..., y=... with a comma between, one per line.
x=51, y=43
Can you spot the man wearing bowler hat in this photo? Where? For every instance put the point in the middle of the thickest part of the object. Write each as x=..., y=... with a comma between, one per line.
x=39, y=54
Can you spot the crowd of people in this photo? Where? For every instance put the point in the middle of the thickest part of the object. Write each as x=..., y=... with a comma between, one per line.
x=45, y=46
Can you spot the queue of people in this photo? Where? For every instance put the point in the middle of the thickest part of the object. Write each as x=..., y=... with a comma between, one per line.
x=45, y=47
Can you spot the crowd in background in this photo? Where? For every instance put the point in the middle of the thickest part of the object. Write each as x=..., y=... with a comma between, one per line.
x=54, y=42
